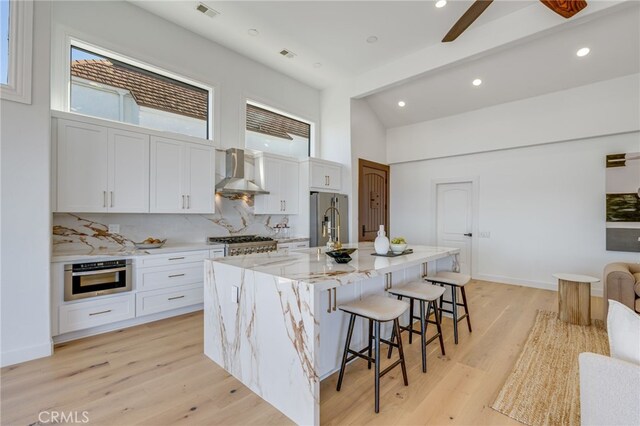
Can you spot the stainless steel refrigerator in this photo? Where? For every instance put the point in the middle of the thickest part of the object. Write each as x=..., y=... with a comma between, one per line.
x=331, y=212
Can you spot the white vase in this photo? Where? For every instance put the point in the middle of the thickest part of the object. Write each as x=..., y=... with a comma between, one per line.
x=381, y=244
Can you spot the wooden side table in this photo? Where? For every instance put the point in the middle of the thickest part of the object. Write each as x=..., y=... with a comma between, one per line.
x=574, y=298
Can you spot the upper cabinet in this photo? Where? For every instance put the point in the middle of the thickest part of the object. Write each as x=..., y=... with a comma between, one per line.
x=108, y=168
x=101, y=169
x=281, y=177
x=182, y=177
x=324, y=175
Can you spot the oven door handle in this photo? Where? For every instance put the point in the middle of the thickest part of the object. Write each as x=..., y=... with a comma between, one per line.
x=98, y=271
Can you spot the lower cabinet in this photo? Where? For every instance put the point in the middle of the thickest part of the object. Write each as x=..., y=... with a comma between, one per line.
x=92, y=313
x=151, y=302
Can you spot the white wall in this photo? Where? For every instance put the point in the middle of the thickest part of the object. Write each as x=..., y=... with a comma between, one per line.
x=603, y=108
x=369, y=142
x=544, y=207
x=25, y=229
x=130, y=31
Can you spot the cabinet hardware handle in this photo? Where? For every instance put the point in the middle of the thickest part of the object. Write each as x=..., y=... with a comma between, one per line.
x=363, y=230
x=102, y=271
x=101, y=312
x=176, y=297
x=111, y=195
x=329, y=308
x=329, y=180
x=183, y=201
x=285, y=205
x=188, y=201
x=176, y=258
x=104, y=198
x=176, y=275
x=335, y=302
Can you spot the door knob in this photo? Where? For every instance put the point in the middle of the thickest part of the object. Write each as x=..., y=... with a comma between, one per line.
x=468, y=234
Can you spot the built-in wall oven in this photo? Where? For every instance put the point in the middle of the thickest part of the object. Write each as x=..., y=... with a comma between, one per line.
x=93, y=279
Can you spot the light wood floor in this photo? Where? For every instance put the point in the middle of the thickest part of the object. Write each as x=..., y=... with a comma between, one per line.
x=157, y=374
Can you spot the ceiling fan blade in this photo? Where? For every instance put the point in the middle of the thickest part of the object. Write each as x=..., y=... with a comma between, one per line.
x=467, y=19
x=566, y=8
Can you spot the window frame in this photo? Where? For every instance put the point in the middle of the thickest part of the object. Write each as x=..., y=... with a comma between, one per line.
x=19, y=66
x=72, y=42
x=261, y=104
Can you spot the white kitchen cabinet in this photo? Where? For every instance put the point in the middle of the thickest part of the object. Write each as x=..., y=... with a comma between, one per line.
x=324, y=175
x=92, y=313
x=293, y=245
x=280, y=176
x=334, y=325
x=101, y=169
x=182, y=177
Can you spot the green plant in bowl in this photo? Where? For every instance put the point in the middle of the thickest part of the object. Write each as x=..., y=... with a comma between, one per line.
x=398, y=245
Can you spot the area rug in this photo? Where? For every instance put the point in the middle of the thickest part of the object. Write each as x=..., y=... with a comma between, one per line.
x=544, y=386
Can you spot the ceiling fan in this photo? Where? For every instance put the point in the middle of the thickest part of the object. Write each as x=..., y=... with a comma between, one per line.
x=565, y=8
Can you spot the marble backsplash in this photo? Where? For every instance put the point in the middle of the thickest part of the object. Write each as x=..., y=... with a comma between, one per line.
x=74, y=232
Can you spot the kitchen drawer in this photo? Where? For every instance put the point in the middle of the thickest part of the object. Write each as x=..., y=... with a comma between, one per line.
x=169, y=276
x=81, y=315
x=150, y=302
x=171, y=258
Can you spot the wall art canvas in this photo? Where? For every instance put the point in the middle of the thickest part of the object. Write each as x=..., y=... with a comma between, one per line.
x=623, y=202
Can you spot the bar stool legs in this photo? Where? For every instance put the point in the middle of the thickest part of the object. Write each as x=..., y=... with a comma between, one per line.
x=374, y=345
x=454, y=308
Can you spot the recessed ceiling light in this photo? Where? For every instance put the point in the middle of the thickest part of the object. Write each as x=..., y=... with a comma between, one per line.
x=583, y=51
x=372, y=39
x=476, y=82
x=253, y=32
x=401, y=104
x=317, y=65
x=441, y=3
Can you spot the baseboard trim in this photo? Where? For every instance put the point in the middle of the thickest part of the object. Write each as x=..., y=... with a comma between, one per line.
x=596, y=288
x=26, y=354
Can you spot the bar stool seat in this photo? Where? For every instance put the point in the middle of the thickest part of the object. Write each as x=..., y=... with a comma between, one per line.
x=450, y=278
x=418, y=290
x=377, y=308
x=429, y=293
x=455, y=280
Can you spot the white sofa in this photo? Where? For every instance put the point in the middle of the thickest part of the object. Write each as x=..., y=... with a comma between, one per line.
x=610, y=386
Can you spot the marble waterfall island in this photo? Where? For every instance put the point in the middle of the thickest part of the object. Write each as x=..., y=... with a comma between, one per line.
x=271, y=319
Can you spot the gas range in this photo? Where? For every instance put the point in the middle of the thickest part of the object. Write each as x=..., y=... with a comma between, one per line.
x=244, y=244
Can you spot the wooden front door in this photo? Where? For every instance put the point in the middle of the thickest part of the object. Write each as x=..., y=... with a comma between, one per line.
x=373, y=199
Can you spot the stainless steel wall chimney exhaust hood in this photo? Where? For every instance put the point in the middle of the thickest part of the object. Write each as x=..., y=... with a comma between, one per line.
x=234, y=182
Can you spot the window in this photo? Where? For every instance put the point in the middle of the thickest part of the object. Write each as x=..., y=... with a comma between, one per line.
x=273, y=131
x=16, y=32
x=121, y=91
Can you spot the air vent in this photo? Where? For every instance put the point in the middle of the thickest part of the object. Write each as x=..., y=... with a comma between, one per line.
x=287, y=53
x=207, y=10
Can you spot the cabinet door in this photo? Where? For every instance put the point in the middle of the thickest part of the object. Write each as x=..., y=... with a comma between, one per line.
x=334, y=177
x=128, y=172
x=82, y=167
x=199, y=179
x=167, y=176
x=318, y=175
x=289, y=186
x=268, y=176
x=333, y=328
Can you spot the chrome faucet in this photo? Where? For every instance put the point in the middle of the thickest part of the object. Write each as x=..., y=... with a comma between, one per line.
x=327, y=228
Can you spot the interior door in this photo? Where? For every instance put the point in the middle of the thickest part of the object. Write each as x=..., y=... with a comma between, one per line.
x=373, y=196
x=454, y=221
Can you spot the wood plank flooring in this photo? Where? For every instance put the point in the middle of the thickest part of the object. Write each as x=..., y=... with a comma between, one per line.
x=156, y=374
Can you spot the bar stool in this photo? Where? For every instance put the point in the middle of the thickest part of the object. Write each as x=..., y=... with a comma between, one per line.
x=423, y=293
x=376, y=309
x=454, y=280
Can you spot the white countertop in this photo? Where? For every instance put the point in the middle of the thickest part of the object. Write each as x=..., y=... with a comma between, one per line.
x=308, y=266
x=128, y=252
x=291, y=240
